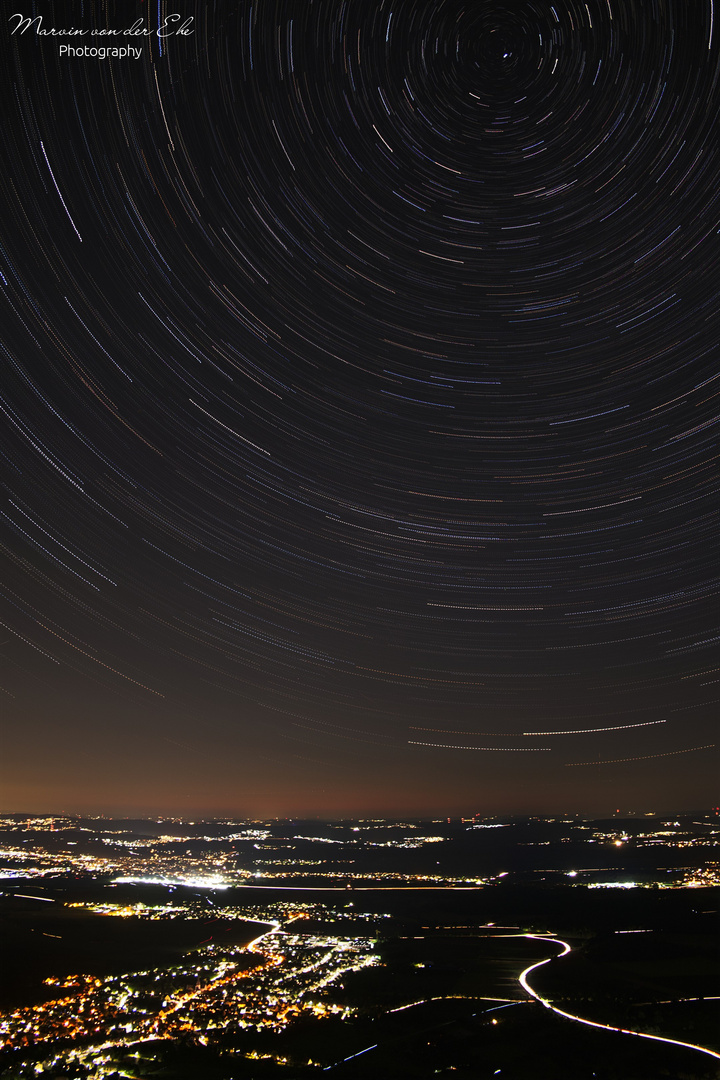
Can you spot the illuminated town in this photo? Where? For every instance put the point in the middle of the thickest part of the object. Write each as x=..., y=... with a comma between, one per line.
x=262, y=985
x=257, y=929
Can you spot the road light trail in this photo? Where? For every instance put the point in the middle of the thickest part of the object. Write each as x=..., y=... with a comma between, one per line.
x=522, y=979
x=508, y=1003
x=178, y=1003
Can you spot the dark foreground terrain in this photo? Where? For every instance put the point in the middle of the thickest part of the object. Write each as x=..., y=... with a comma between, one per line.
x=438, y=995
x=471, y=948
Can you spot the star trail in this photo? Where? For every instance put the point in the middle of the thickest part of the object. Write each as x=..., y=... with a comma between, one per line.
x=360, y=378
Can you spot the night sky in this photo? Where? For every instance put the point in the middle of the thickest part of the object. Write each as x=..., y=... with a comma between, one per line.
x=359, y=408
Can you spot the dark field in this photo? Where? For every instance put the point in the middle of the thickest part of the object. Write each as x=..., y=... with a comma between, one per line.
x=39, y=940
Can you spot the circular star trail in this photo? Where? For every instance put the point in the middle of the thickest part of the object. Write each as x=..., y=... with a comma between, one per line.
x=360, y=379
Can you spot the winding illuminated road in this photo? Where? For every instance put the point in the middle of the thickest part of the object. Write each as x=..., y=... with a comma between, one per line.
x=593, y=1023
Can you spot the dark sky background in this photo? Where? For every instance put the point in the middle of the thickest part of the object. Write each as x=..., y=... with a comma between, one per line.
x=359, y=408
